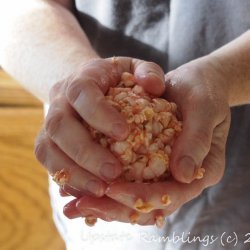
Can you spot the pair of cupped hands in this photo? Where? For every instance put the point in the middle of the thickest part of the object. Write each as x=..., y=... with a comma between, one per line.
x=200, y=93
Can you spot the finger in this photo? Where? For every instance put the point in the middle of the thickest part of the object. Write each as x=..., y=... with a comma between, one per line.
x=150, y=76
x=70, y=210
x=74, y=139
x=64, y=170
x=171, y=194
x=110, y=210
x=66, y=190
x=144, y=197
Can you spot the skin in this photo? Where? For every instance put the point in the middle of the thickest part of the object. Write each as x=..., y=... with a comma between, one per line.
x=65, y=143
x=75, y=79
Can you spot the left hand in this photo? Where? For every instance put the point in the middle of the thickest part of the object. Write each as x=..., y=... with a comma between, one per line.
x=201, y=93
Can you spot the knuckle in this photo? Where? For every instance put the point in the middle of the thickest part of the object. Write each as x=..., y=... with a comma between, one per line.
x=43, y=151
x=219, y=145
x=154, y=66
x=202, y=139
x=208, y=103
x=91, y=112
x=55, y=90
x=217, y=167
x=215, y=180
x=40, y=150
x=74, y=89
x=216, y=174
x=220, y=137
x=174, y=77
x=81, y=155
x=53, y=122
x=93, y=62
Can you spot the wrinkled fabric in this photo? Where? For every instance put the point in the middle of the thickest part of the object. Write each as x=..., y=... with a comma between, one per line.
x=172, y=33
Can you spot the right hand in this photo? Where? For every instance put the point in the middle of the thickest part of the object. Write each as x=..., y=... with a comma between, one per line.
x=64, y=143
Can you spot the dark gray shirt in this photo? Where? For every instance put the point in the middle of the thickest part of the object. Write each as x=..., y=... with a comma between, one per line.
x=172, y=33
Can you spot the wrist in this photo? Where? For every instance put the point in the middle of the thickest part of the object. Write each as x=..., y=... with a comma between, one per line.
x=75, y=62
x=233, y=68
x=215, y=77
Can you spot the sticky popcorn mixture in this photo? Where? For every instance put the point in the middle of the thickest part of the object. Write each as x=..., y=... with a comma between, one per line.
x=153, y=128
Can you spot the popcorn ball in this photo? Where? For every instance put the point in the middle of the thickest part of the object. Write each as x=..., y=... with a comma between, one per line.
x=153, y=129
x=145, y=153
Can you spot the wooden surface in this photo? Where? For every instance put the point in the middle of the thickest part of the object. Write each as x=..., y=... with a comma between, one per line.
x=25, y=213
x=12, y=94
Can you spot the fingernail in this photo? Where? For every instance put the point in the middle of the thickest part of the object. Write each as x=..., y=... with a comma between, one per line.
x=95, y=187
x=120, y=130
x=71, y=212
x=151, y=73
x=73, y=215
x=187, y=168
x=109, y=171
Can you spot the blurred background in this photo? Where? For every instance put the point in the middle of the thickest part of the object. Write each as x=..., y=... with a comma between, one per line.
x=25, y=214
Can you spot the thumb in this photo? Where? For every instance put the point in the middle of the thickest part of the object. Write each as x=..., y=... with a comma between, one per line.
x=150, y=76
x=192, y=146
